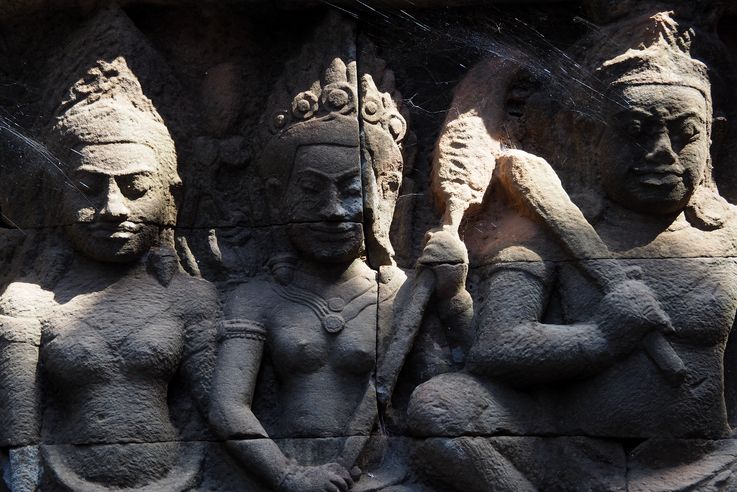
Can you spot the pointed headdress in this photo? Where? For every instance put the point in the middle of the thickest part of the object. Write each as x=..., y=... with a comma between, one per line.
x=322, y=99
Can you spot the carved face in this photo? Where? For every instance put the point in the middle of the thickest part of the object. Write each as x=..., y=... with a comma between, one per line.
x=118, y=202
x=655, y=150
x=324, y=203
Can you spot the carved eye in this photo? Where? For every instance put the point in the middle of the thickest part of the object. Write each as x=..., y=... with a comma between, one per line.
x=354, y=190
x=350, y=186
x=634, y=128
x=310, y=185
x=88, y=183
x=689, y=131
x=133, y=186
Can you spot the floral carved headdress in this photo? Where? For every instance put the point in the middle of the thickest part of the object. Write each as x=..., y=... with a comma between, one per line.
x=322, y=99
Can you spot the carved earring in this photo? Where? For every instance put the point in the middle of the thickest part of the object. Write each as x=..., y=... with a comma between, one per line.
x=282, y=267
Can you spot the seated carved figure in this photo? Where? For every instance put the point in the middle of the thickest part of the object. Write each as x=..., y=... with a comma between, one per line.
x=119, y=319
x=312, y=317
x=556, y=356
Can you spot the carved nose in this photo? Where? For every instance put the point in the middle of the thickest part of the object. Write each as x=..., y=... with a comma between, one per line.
x=334, y=210
x=115, y=207
x=662, y=152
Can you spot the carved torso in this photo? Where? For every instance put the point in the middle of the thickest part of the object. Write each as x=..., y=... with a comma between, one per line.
x=104, y=348
x=321, y=341
x=110, y=345
x=692, y=273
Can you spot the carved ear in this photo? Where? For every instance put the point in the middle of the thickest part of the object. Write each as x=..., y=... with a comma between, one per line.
x=274, y=196
x=175, y=188
x=719, y=130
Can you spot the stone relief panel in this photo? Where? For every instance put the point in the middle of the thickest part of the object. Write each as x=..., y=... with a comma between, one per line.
x=543, y=350
x=112, y=315
x=367, y=246
x=312, y=316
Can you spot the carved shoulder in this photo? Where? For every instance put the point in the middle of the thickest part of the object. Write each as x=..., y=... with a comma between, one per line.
x=196, y=298
x=250, y=300
x=26, y=299
x=513, y=237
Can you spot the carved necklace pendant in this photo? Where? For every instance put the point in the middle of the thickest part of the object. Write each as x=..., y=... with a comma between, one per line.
x=335, y=312
x=334, y=322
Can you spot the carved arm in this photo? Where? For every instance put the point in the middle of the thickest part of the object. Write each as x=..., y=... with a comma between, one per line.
x=514, y=345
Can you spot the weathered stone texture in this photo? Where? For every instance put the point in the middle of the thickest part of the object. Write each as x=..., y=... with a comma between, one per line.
x=406, y=246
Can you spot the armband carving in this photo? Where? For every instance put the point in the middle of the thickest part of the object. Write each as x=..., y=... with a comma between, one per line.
x=242, y=328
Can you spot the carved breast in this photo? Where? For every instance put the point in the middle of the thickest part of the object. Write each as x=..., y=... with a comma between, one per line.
x=308, y=333
x=298, y=341
x=83, y=343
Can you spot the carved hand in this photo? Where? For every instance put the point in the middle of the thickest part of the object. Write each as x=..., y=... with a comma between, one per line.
x=628, y=312
x=446, y=255
x=330, y=477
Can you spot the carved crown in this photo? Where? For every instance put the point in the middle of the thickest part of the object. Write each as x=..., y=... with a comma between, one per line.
x=321, y=99
x=327, y=99
x=663, y=57
x=100, y=99
x=312, y=92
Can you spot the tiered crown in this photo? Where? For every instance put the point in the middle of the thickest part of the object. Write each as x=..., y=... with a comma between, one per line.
x=664, y=59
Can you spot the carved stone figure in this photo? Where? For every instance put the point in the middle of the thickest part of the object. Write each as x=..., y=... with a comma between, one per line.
x=118, y=319
x=617, y=330
x=227, y=264
x=312, y=317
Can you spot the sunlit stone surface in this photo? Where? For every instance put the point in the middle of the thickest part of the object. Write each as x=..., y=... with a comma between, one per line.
x=423, y=246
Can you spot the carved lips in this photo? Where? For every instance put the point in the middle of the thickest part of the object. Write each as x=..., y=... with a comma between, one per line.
x=333, y=231
x=122, y=230
x=659, y=175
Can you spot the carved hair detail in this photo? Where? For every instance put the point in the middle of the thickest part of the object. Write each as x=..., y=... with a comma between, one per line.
x=322, y=102
x=384, y=134
x=104, y=101
x=114, y=110
x=311, y=92
x=316, y=101
x=665, y=60
x=379, y=108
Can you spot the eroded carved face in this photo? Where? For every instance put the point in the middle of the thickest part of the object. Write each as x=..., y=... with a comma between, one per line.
x=655, y=150
x=324, y=203
x=118, y=202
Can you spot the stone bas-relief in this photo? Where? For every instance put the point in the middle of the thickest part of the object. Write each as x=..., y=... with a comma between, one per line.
x=121, y=319
x=313, y=315
x=625, y=338
x=118, y=319
x=255, y=265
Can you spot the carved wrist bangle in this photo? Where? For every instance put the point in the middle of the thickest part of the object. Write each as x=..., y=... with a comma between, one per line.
x=242, y=328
